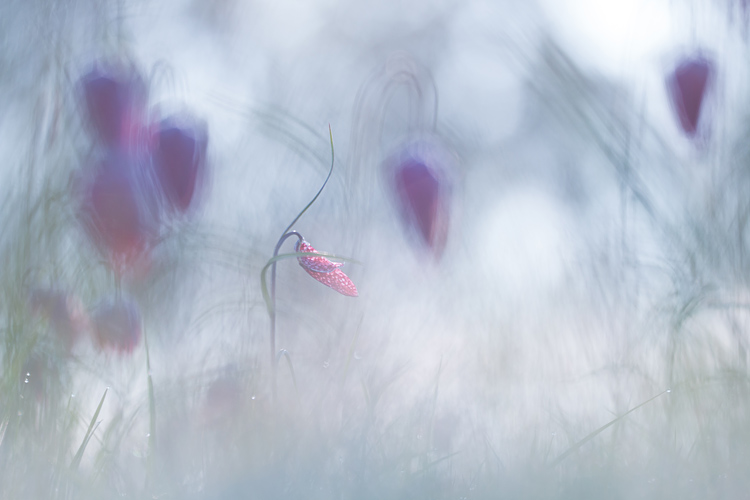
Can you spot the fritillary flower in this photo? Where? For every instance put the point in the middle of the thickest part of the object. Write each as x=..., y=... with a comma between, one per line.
x=117, y=324
x=688, y=86
x=179, y=160
x=115, y=97
x=118, y=210
x=419, y=178
x=147, y=167
x=325, y=271
x=65, y=313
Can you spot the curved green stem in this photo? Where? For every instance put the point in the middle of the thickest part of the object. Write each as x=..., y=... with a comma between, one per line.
x=271, y=299
x=330, y=171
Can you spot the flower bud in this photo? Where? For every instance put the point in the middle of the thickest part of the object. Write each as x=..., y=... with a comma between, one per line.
x=325, y=271
x=116, y=324
x=114, y=97
x=179, y=160
x=688, y=86
x=419, y=180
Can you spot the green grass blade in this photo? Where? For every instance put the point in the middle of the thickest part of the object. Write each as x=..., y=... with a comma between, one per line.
x=435, y=462
x=288, y=358
x=151, y=403
x=601, y=429
x=350, y=354
x=151, y=415
x=92, y=426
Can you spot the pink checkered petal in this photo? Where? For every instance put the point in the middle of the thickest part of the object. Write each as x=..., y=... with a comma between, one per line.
x=336, y=280
x=315, y=264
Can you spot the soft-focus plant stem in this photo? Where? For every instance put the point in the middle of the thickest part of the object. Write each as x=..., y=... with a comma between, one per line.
x=284, y=236
x=274, y=361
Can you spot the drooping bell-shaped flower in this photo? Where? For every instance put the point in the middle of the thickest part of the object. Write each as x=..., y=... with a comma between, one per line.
x=118, y=210
x=223, y=399
x=116, y=324
x=115, y=96
x=325, y=271
x=688, y=86
x=179, y=160
x=419, y=178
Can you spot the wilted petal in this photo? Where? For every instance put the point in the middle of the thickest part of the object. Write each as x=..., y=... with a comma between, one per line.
x=116, y=324
x=688, y=85
x=114, y=96
x=325, y=271
x=179, y=159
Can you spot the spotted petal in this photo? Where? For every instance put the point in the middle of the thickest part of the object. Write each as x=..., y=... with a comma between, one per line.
x=315, y=264
x=336, y=280
x=325, y=271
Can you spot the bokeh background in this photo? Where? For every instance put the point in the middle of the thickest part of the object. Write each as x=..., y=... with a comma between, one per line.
x=586, y=253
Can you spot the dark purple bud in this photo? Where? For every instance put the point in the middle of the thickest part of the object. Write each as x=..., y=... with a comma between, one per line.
x=422, y=192
x=118, y=210
x=419, y=193
x=116, y=325
x=688, y=86
x=179, y=160
x=115, y=98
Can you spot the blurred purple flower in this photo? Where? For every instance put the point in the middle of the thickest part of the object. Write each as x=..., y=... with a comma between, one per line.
x=119, y=211
x=179, y=159
x=116, y=324
x=115, y=97
x=146, y=167
x=325, y=271
x=688, y=85
x=422, y=191
x=223, y=399
x=64, y=312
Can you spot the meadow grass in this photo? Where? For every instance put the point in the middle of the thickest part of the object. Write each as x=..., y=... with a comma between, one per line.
x=583, y=335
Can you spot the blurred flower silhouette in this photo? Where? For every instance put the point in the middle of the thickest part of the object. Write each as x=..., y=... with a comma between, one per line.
x=223, y=399
x=118, y=210
x=688, y=86
x=115, y=97
x=145, y=169
x=117, y=324
x=64, y=311
x=418, y=176
x=325, y=271
x=179, y=159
